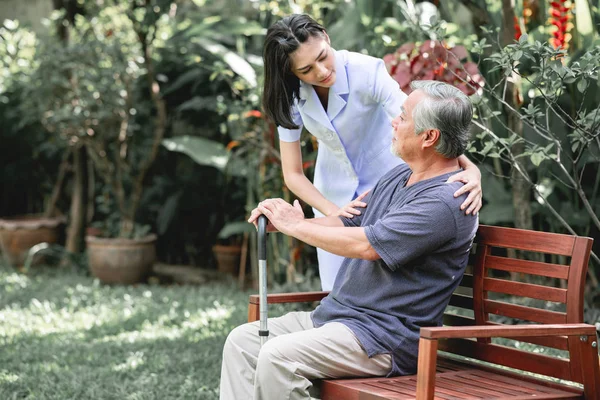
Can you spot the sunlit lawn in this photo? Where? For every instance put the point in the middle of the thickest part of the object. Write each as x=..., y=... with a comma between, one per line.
x=65, y=336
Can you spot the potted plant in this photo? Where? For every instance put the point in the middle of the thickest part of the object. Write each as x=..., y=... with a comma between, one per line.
x=23, y=139
x=107, y=101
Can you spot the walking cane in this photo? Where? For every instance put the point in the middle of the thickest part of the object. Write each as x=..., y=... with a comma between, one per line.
x=262, y=278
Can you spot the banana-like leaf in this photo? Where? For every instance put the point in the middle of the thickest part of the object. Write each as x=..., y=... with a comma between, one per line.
x=235, y=228
x=186, y=78
x=201, y=150
x=235, y=62
x=198, y=103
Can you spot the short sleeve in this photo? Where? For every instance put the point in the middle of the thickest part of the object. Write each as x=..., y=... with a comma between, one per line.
x=386, y=91
x=411, y=231
x=291, y=135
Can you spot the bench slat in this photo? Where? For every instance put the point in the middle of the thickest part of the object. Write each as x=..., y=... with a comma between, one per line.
x=527, y=267
x=522, y=239
x=556, y=342
x=509, y=357
x=524, y=313
x=525, y=290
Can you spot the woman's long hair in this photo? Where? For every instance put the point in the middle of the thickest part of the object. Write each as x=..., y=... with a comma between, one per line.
x=281, y=86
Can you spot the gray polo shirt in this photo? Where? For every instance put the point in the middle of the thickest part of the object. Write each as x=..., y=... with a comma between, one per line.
x=423, y=239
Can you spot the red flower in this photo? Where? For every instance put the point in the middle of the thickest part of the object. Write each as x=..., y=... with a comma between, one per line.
x=253, y=113
x=559, y=17
x=517, y=26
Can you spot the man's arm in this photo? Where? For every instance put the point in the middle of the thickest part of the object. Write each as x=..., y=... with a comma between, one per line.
x=350, y=242
x=327, y=233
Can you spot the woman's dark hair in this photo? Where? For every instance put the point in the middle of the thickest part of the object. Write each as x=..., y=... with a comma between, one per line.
x=281, y=86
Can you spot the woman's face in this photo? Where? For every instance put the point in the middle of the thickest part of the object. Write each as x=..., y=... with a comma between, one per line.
x=314, y=62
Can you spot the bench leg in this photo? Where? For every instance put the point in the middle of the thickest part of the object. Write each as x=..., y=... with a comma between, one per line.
x=426, y=368
x=590, y=367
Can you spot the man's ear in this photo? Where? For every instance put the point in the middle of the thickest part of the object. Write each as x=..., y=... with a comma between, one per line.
x=430, y=137
x=327, y=38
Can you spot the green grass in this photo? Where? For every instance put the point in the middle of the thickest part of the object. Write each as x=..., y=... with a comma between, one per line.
x=65, y=336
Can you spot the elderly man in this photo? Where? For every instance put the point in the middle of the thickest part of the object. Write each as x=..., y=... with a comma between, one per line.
x=405, y=254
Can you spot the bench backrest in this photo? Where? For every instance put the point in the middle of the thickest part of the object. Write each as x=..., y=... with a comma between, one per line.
x=495, y=292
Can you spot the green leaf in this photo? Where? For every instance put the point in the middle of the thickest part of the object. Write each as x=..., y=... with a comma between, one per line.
x=537, y=158
x=235, y=228
x=582, y=85
x=198, y=103
x=186, y=78
x=517, y=55
x=235, y=62
x=202, y=151
x=523, y=38
x=167, y=212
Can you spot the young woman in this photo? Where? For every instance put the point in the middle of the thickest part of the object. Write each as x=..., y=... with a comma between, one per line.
x=347, y=101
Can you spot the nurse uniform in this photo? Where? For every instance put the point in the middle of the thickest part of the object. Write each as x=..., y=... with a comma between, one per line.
x=354, y=135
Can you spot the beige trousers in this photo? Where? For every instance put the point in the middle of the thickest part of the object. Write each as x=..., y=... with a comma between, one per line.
x=295, y=353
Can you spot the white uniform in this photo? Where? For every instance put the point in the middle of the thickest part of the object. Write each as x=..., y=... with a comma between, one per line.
x=354, y=134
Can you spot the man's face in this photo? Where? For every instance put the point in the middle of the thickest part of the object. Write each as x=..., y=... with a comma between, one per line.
x=314, y=62
x=405, y=143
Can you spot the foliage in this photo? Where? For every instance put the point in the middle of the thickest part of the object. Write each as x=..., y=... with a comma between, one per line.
x=253, y=155
x=538, y=120
x=433, y=61
x=561, y=120
x=28, y=159
x=99, y=91
x=207, y=65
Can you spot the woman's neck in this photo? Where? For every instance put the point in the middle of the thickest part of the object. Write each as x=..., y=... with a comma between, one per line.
x=323, y=94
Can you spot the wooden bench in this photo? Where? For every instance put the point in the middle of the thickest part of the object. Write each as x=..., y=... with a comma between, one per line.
x=460, y=361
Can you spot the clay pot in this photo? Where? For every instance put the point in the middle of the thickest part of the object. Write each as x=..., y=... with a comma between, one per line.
x=228, y=258
x=123, y=261
x=19, y=234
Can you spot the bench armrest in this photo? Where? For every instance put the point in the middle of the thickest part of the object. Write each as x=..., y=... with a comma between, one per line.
x=428, y=346
x=302, y=297
x=488, y=331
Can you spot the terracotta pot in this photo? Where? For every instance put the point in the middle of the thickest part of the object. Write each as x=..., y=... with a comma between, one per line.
x=19, y=234
x=123, y=261
x=228, y=258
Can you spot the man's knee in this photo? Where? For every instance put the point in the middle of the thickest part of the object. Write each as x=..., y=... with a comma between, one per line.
x=238, y=339
x=270, y=355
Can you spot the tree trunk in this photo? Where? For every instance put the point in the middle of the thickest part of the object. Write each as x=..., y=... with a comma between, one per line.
x=74, y=241
x=521, y=192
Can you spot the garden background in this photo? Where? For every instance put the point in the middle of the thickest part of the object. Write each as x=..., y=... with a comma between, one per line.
x=123, y=119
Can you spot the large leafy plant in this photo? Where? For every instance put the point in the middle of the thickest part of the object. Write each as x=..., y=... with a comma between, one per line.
x=433, y=60
x=100, y=91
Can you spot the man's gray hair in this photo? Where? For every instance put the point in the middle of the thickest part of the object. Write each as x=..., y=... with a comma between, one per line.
x=446, y=109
